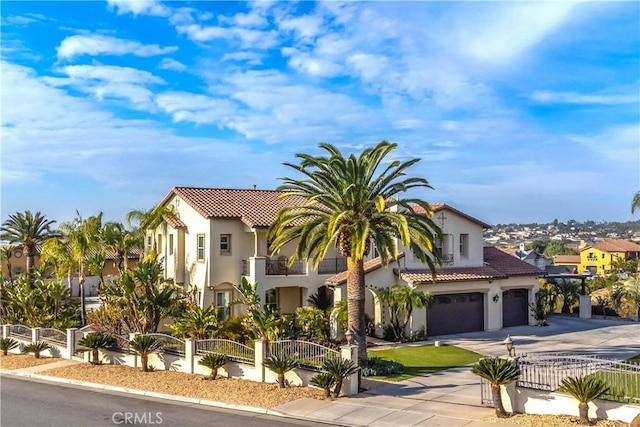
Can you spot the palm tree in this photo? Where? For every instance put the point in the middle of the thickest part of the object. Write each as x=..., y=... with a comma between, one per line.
x=36, y=348
x=635, y=203
x=352, y=202
x=498, y=372
x=585, y=390
x=56, y=252
x=196, y=322
x=401, y=300
x=6, y=252
x=340, y=369
x=7, y=344
x=29, y=230
x=280, y=364
x=95, y=341
x=121, y=242
x=144, y=345
x=214, y=361
x=628, y=291
x=325, y=381
x=152, y=219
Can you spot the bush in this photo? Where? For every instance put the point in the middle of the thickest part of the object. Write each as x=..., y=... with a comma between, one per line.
x=379, y=367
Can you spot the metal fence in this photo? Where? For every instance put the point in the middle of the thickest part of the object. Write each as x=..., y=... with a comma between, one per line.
x=171, y=345
x=546, y=371
x=332, y=265
x=281, y=267
x=20, y=331
x=122, y=343
x=234, y=350
x=54, y=336
x=309, y=354
x=486, y=396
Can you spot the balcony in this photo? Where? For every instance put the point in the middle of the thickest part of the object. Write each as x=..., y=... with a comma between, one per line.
x=592, y=258
x=332, y=265
x=277, y=267
x=447, y=259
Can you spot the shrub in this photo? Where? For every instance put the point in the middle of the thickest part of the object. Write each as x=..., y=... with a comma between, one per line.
x=93, y=342
x=379, y=367
x=280, y=364
x=144, y=345
x=36, y=348
x=340, y=369
x=7, y=344
x=324, y=381
x=584, y=390
x=214, y=361
x=498, y=372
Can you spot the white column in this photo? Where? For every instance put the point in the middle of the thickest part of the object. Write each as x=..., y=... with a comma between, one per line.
x=71, y=342
x=260, y=354
x=585, y=306
x=35, y=334
x=350, y=385
x=189, y=352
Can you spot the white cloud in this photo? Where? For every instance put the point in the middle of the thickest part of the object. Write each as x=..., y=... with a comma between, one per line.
x=247, y=38
x=139, y=7
x=110, y=73
x=315, y=66
x=548, y=97
x=253, y=19
x=196, y=108
x=305, y=27
x=251, y=58
x=171, y=64
x=618, y=143
x=97, y=44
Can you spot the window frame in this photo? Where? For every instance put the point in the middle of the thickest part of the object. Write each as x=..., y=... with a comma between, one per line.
x=464, y=245
x=198, y=248
x=226, y=251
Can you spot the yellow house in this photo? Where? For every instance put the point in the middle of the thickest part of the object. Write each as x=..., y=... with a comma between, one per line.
x=600, y=257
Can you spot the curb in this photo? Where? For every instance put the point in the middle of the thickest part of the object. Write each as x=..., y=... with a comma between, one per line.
x=173, y=397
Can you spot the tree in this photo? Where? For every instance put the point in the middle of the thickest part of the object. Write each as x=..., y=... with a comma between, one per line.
x=36, y=348
x=7, y=344
x=628, y=292
x=401, y=301
x=557, y=247
x=93, y=342
x=121, y=242
x=353, y=202
x=152, y=219
x=340, y=369
x=57, y=253
x=280, y=364
x=498, y=372
x=29, y=230
x=6, y=252
x=584, y=390
x=143, y=346
x=635, y=203
x=214, y=361
x=568, y=290
x=196, y=322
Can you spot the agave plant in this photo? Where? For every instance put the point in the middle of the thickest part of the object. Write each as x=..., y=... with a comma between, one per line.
x=36, y=348
x=340, y=369
x=584, y=389
x=214, y=361
x=7, y=344
x=280, y=364
x=95, y=341
x=144, y=345
x=498, y=372
x=324, y=381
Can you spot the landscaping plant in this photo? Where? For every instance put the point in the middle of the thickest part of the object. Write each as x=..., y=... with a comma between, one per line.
x=7, y=344
x=144, y=345
x=400, y=301
x=36, y=348
x=93, y=342
x=498, y=372
x=340, y=369
x=214, y=361
x=325, y=381
x=584, y=389
x=280, y=364
x=378, y=367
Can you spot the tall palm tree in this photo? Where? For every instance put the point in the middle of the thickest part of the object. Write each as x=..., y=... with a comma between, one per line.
x=584, y=390
x=56, y=252
x=121, y=242
x=351, y=202
x=152, y=219
x=498, y=372
x=29, y=230
x=635, y=203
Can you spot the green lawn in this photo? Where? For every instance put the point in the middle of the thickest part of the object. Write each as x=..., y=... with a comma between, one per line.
x=425, y=359
x=634, y=359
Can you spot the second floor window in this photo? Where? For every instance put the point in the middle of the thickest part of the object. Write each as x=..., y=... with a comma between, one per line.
x=200, y=250
x=149, y=243
x=170, y=244
x=225, y=243
x=464, y=245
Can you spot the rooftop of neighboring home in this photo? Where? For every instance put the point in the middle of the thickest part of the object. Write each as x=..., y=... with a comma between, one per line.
x=615, y=245
x=497, y=265
x=566, y=259
x=437, y=207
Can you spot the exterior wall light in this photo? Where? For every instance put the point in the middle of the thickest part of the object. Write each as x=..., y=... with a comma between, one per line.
x=496, y=298
x=349, y=336
x=508, y=342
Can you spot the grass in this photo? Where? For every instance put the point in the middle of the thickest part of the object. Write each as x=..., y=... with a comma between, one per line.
x=634, y=359
x=425, y=359
x=623, y=387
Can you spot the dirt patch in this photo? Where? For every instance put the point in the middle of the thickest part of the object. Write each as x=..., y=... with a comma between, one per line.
x=19, y=361
x=227, y=390
x=531, y=420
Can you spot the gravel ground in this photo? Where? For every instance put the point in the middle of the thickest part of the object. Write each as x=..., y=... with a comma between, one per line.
x=19, y=361
x=530, y=420
x=191, y=385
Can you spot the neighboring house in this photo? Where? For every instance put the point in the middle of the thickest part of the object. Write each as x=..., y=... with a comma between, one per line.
x=538, y=260
x=18, y=262
x=570, y=262
x=600, y=257
x=477, y=289
x=220, y=236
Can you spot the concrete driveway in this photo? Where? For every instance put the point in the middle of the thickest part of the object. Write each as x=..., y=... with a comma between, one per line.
x=613, y=339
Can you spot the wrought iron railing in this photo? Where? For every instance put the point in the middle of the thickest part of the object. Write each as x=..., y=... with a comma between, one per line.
x=20, y=331
x=122, y=343
x=170, y=345
x=332, y=265
x=447, y=259
x=54, y=336
x=546, y=371
x=234, y=350
x=246, y=267
x=281, y=267
x=310, y=355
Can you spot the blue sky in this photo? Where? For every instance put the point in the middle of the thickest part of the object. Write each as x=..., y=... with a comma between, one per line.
x=520, y=111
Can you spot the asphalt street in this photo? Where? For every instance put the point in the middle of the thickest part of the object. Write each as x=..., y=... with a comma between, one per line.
x=29, y=403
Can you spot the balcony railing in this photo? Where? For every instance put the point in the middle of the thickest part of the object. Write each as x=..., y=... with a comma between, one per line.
x=281, y=267
x=246, y=267
x=447, y=259
x=592, y=258
x=332, y=266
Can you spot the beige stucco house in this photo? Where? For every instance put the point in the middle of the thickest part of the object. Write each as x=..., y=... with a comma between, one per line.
x=220, y=236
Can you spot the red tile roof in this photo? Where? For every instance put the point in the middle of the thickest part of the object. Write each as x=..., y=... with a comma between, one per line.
x=566, y=259
x=437, y=207
x=615, y=245
x=372, y=264
x=256, y=208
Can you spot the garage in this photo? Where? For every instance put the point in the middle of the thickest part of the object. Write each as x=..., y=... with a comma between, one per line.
x=455, y=314
x=515, y=307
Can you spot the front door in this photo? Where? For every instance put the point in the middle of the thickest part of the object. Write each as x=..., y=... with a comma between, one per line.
x=223, y=303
